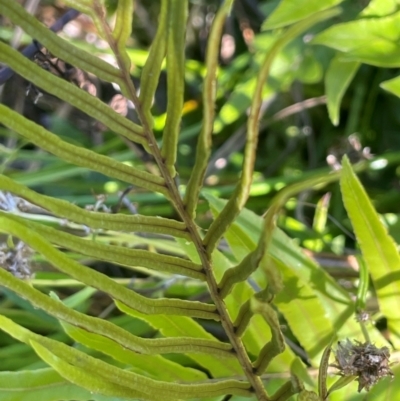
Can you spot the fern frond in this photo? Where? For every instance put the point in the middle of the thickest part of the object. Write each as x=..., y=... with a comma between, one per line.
x=223, y=341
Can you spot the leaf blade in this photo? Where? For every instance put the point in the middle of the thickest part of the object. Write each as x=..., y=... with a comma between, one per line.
x=71, y=94
x=338, y=77
x=58, y=46
x=372, y=41
x=291, y=11
x=79, y=155
x=378, y=247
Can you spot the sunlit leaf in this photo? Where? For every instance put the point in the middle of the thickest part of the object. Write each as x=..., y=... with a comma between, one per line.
x=380, y=8
x=392, y=86
x=338, y=77
x=289, y=11
x=41, y=384
x=371, y=40
x=154, y=366
x=377, y=246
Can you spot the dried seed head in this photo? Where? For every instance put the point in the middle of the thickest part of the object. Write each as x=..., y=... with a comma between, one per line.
x=367, y=362
x=16, y=259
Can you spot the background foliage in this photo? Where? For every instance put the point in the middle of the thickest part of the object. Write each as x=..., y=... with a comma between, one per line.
x=321, y=80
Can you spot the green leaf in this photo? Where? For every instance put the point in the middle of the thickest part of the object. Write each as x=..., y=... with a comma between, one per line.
x=338, y=77
x=41, y=384
x=122, y=29
x=89, y=372
x=323, y=371
x=242, y=190
x=180, y=326
x=379, y=250
x=373, y=41
x=363, y=286
x=276, y=345
x=176, y=35
x=98, y=280
x=82, y=377
x=154, y=366
x=306, y=395
x=114, y=385
x=392, y=86
x=319, y=223
x=58, y=46
x=258, y=332
x=380, y=8
x=152, y=68
x=116, y=222
x=79, y=155
x=290, y=11
x=118, y=254
x=303, y=310
x=64, y=90
x=163, y=345
x=203, y=148
x=315, y=289
x=340, y=383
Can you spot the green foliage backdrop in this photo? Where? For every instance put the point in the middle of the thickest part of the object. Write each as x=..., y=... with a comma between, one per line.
x=193, y=282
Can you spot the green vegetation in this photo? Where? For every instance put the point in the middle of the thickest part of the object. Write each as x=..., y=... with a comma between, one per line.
x=200, y=201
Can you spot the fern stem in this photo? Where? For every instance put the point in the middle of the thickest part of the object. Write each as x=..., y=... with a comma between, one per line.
x=129, y=90
x=191, y=226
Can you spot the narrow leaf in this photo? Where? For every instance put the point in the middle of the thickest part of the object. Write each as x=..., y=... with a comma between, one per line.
x=114, y=383
x=81, y=377
x=321, y=214
x=58, y=46
x=338, y=77
x=258, y=331
x=116, y=222
x=325, y=305
x=78, y=155
x=151, y=70
x=203, y=148
x=71, y=94
x=323, y=371
x=160, y=346
x=306, y=395
x=277, y=344
x=174, y=326
x=117, y=254
x=242, y=190
x=60, y=356
x=103, y=328
x=40, y=384
x=176, y=30
x=100, y=281
x=122, y=29
x=340, y=383
x=377, y=246
x=155, y=366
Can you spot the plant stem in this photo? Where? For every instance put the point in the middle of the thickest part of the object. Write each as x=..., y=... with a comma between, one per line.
x=175, y=197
